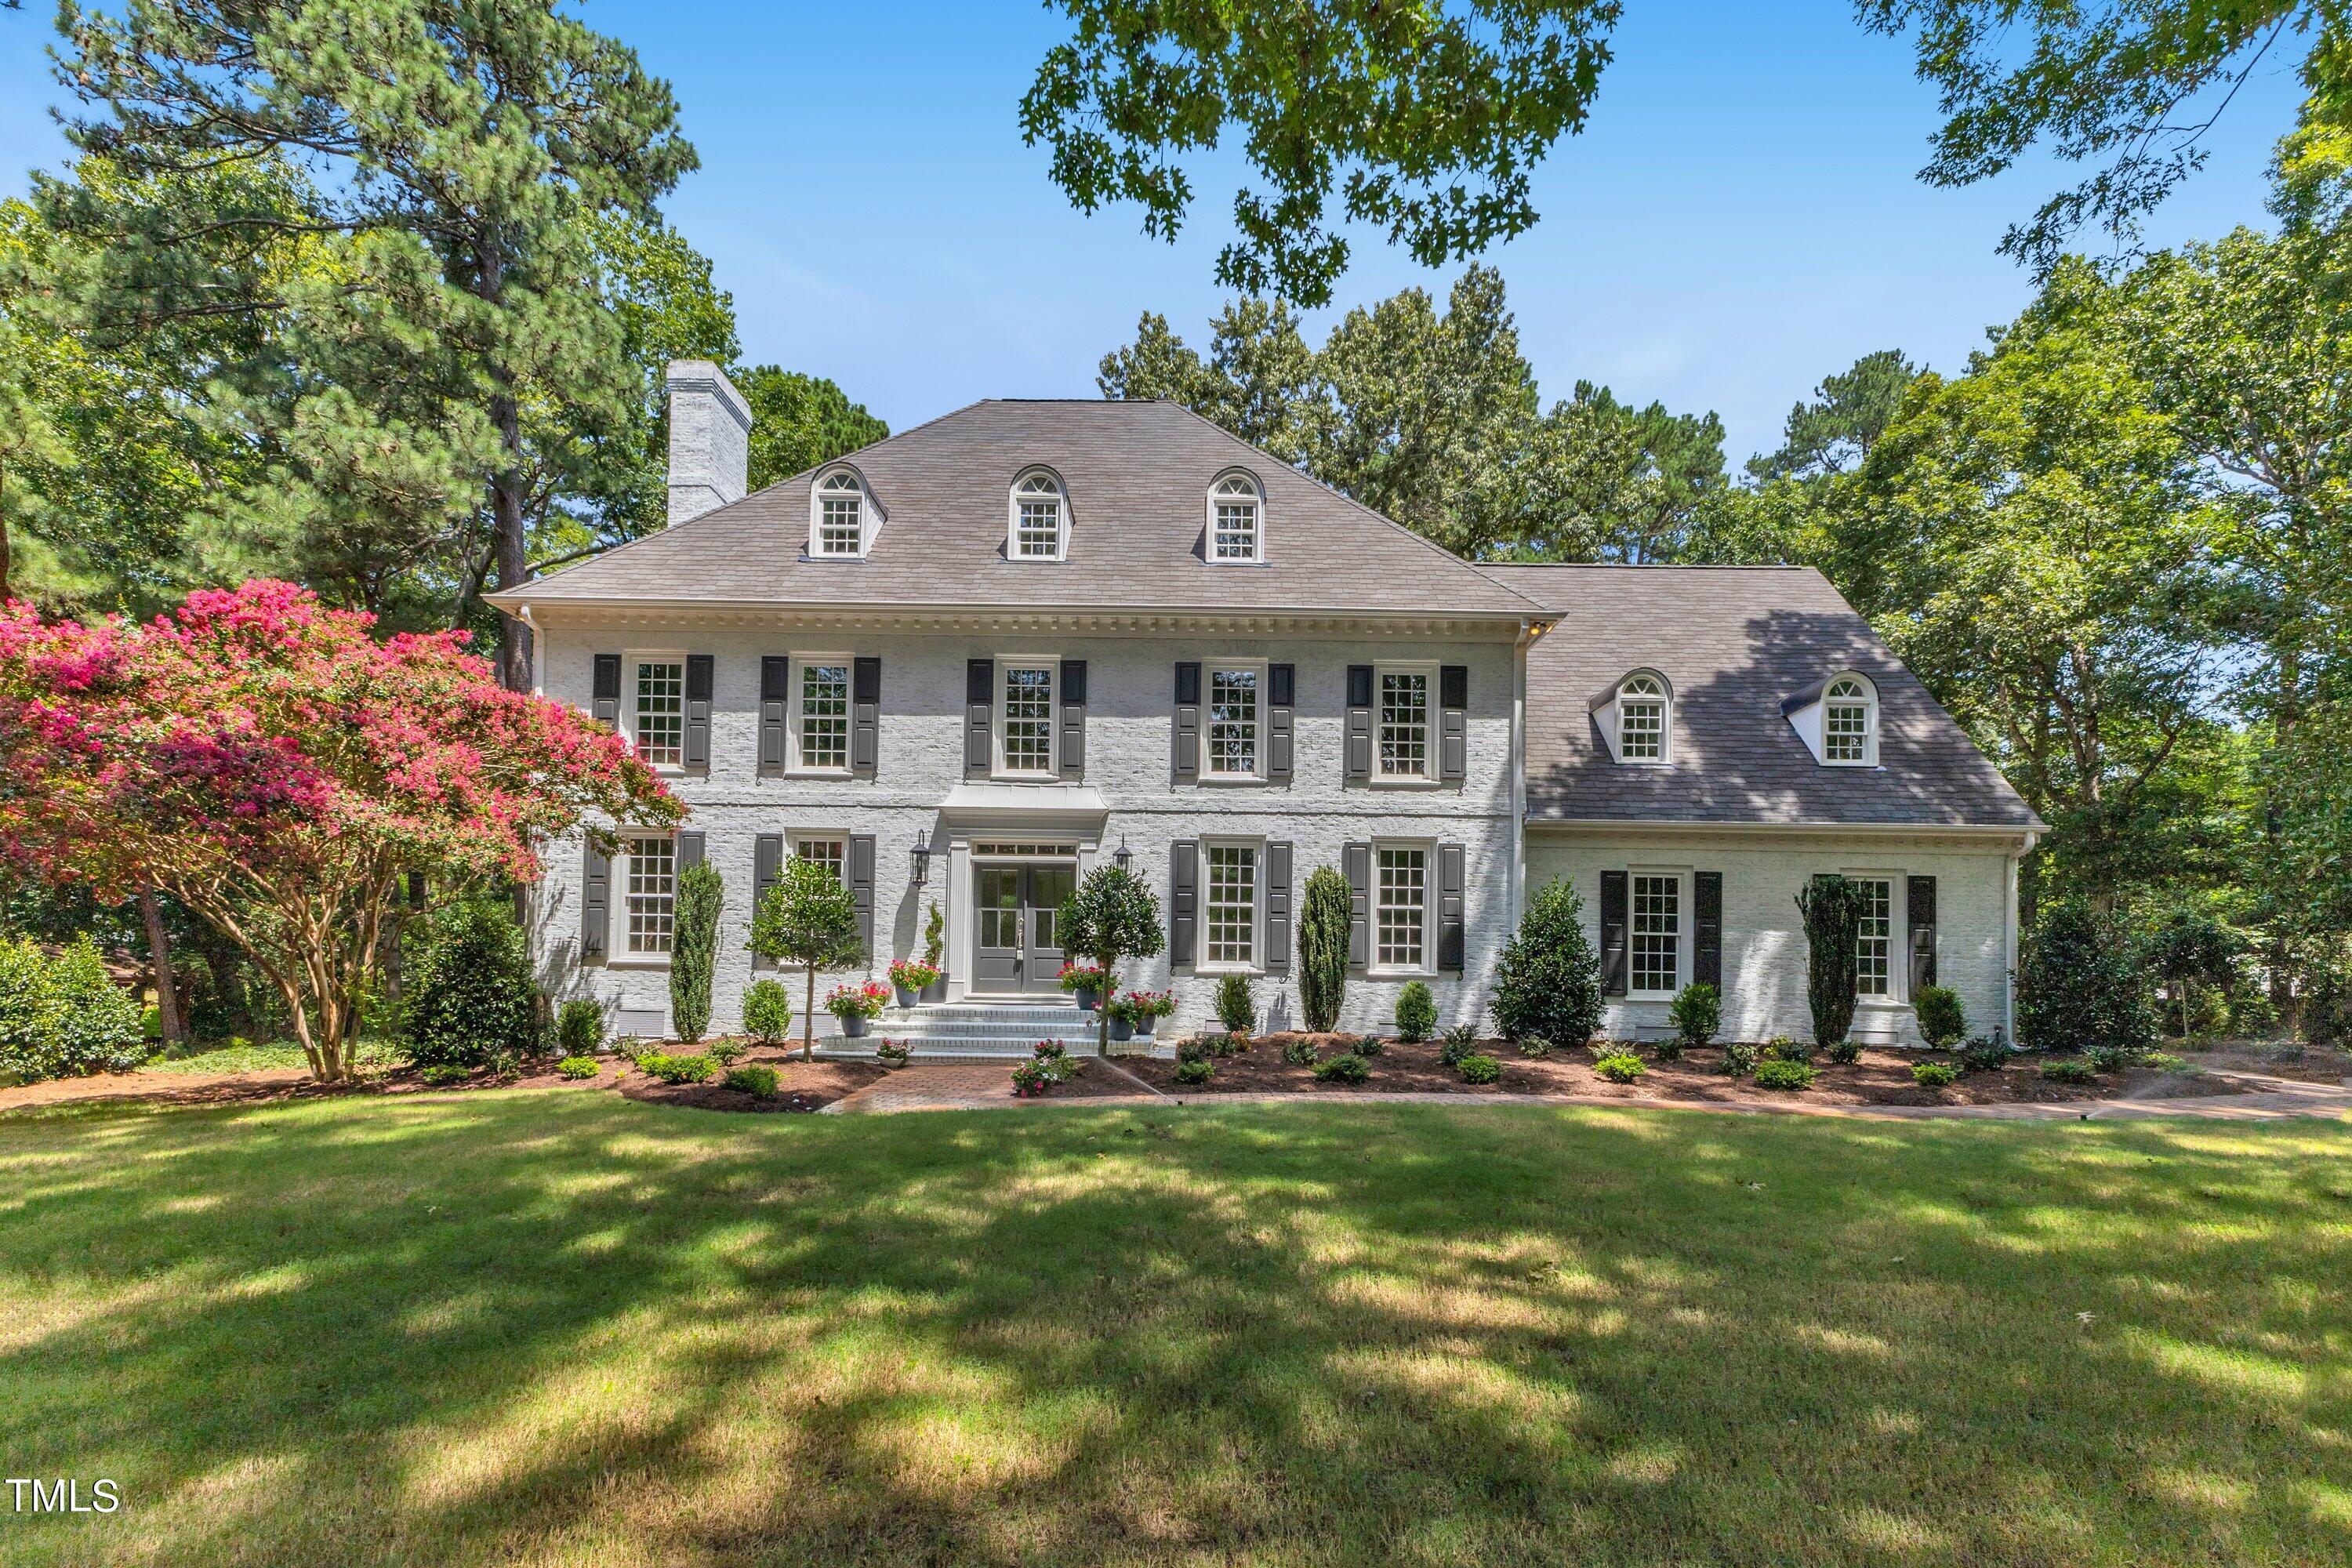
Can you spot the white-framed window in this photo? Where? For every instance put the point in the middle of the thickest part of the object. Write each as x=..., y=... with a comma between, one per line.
x=1400, y=908
x=1236, y=714
x=647, y=911
x=1236, y=520
x=1645, y=718
x=657, y=707
x=818, y=718
x=1024, y=715
x=1654, y=933
x=1850, y=723
x=838, y=520
x=1875, y=947
x=1038, y=527
x=1229, y=905
x=1401, y=722
x=830, y=850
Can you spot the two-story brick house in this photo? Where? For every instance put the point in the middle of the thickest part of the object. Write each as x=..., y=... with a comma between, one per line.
x=965, y=664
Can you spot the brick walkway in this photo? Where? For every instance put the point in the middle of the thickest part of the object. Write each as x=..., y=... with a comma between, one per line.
x=969, y=1086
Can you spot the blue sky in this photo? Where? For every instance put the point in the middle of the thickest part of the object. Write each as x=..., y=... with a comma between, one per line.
x=1739, y=218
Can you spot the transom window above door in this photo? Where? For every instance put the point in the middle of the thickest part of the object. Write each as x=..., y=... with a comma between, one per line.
x=1234, y=720
x=1039, y=519
x=658, y=713
x=1025, y=718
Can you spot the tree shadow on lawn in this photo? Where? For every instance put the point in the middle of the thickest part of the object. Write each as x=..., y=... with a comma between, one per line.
x=565, y=1328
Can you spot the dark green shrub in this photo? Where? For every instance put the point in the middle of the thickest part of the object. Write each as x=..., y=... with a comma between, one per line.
x=694, y=950
x=2069, y=1069
x=1833, y=908
x=1225, y=1044
x=1345, y=1068
x=1619, y=1067
x=471, y=996
x=1416, y=1012
x=1984, y=1054
x=1696, y=1014
x=677, y=1069
x=2163, y=1061
x=63, y=1017
x=1535, y=1047
x=1301, y=1052
x=1740, y=1058
x=1236, y=1004
x=1785, y=1074
x=1195, y=1072
x=1365, y=1045
x=726, y=1053
x=580, y=1026
x=1934, y=1075
x=1781, y=1049
x=1845, y=1052
x=578, y=1067
x=2113, y=1059
x=1548, y=981
x=756, y=1080
x=441, y=1075
x=1456, y=1043
x=1191, y=1051
x=2080, y=984
x=2324, y=1016
x=1323, y=919
x=767, y=1012
x=1941, y=1022
x=1478, y=1069
x=2196, y=955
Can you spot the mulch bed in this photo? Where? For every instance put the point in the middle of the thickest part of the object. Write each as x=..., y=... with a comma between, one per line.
x=800, y=1085
x=1880, y=1078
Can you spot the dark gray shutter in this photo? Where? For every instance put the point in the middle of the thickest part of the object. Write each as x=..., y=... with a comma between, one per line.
x=1276, y=956
x=1188, y=723
x=1184, y=898
x=699, y=668
x=1074, y=719
x=775, y=694
x=1612, y=934
x=689, y=851
x=979, y=715
x=861, y=887
x=605, y=706
x=1451, y=879
x=1453, y=721
x=1920, y=912
x=1281, y=697
x=1359, y=720
x=1707, y=929
x=596, y=900
x=865, y=715
x=767, y=865
x=1358, y=859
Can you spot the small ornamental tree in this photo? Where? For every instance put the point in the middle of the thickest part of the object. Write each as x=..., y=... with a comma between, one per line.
x=1110, y=916
x=2192, y=949
x=276, y=768
x=810, y=919
x=694, y=950
x=1833, y=908
x=1323, y=950
x=1548, y=982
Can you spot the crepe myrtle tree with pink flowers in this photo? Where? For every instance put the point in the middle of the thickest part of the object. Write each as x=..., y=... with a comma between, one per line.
x=277, y=767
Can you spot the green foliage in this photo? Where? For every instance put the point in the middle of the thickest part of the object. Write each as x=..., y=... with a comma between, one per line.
x=767, y=1011
x=1740, y=1057
x=2160, y=1061
x=808, y=919
x=1236, y=1005
x=1535, y=1047
x=1984, y=1054
x=1323, y=919
x=2114, y=1059
x=694, y=950
x=62, y=1017
x=935, y=936
x=1345, y=1068
x=1416, y=1012
x=1226, y=1044
x=800, y=421
x=1109, y=916
x=1785, y=1074
x=1032, y=1078
x=1832, y=910
x=1548, y=981
x=677, y=1069
x=1697, y=1013
x=1934, y=1075
x=1299, y=1051
x=1619, y=1067
x=2069, y=1069
x=1845, y=1052
x=1366, y=1046
x=580, y=1026
x=472, y=997
x=752, y=1081
x=1456, y=1043
x=1941, y=1022
x=1478, y=1069
x=2326, y=1015
x=1193, y=1050
x=2080, y=985
x=441, y=1075
x=1195, y=1072
x=1781, y=1049
x=725, y=1052
x=578, y=1067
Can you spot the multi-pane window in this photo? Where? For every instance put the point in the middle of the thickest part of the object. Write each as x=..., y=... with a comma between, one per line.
x=1642, y=720
x=1400, y=905
x=833, y=853
x=1845, y=722
x=1232, y=722
x=824, y=715
x=1028, y=727
x=840, y=525
x=1235, y=534
x=1229, y=909
x=649, y=895
x=1657, y=932
x=1874, y=953
x=1404, y=723
x=661, y=712
x=1037, y=519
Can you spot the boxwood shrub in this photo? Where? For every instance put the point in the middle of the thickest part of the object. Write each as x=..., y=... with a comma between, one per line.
x=753, y=1081
x=1934, y=1075
x=1619, y=1067
x=1479, y=1070
x=1194, y=1070
x=578, y=1067
x=1345, y=1068
x=1779, y=1073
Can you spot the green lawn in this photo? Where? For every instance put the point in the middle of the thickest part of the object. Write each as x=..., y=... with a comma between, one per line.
x=568, y=1329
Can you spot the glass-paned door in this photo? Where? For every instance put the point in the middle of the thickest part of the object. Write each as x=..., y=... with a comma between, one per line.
x=1017, y=947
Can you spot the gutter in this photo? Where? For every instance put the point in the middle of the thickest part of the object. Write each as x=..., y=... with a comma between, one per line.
x=520, y=603
x=2024, y=835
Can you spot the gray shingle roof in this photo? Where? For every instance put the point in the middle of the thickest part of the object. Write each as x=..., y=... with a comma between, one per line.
x=1137, y=475
x=1736, y=644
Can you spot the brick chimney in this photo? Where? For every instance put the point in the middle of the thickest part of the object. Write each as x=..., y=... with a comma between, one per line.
x=709, y=439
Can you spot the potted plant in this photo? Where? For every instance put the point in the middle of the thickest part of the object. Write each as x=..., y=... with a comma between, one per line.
x=1146, y=1008
x=856, y=1004
x=892, y=1053
x=909, y=977
x=935, y=940
x=1122, y=1013
x=1085, y=981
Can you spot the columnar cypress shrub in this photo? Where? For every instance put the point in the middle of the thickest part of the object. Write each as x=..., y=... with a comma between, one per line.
x=1833, y=911
x=471, y=996
x=1548, y=982
x=1323, y=950
x=2080, y=986
x=694, y=950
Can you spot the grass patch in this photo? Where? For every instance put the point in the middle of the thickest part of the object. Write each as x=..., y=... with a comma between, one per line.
x=573, y=1329
x=375, y=1056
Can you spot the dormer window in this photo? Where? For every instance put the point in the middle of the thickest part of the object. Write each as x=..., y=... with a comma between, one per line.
x=838, y=528
x=1636, y=718
x=1236, y=520
x=1040, y=520
x=1838, y=720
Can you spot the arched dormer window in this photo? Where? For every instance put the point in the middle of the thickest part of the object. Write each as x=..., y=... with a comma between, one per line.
x=1850, y=722
x=1038, y=527
x=1636, y=718
x=1236, y=520
x=838, y=516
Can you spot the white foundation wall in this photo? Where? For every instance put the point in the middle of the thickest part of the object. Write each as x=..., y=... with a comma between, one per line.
x=1129, y=761
x=1764, y=958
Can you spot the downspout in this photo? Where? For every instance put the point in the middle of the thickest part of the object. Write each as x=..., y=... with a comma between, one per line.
x=1516, y=883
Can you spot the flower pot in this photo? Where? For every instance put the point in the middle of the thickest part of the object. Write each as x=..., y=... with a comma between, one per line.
x=1145, y=1025
x=1120, y=1029
x=854, y=1025
x=906, y=997
x=937, y=991
x=1087, y=999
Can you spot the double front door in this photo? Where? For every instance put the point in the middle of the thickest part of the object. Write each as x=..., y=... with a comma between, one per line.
x=1019, y=950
